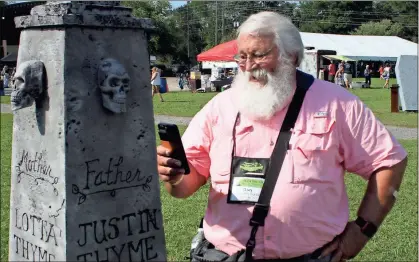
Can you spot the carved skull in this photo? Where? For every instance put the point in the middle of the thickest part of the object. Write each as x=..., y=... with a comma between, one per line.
x=28, y=84
x=114, y=85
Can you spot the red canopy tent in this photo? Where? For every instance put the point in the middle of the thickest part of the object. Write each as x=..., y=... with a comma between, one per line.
x=221, y=52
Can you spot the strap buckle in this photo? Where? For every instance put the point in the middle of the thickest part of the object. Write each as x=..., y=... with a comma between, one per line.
x=251, y=243
x=260, y=212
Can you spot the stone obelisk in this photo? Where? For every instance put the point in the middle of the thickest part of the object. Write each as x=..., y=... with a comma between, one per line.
x=84, y=176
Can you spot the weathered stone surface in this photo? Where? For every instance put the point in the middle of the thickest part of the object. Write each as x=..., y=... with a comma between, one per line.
x=79, y=7
x=84, y=180
x=81, y=14
x=37, y=208
x=107, y=3
x=407, y=79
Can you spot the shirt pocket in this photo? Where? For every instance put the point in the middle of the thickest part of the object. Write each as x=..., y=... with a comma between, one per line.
x=315, y=154
x=220, y=161
x=220, y=171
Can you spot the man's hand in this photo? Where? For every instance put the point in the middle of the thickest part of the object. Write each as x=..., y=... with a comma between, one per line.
x=169, y=168
x=347, y=245
x=170, y=171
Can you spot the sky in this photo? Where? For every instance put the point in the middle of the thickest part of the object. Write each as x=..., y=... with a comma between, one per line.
x=176, y=4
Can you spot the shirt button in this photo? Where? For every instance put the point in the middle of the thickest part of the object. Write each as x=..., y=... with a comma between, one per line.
x=268, y=237
x=272, y=143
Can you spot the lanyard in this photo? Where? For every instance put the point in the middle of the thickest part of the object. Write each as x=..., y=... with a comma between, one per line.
x=233, y=151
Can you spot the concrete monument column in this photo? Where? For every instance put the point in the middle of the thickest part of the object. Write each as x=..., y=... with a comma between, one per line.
x=84, y=178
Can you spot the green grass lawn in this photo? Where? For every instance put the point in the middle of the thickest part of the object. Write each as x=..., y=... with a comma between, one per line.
x=181, y=103
x=5, y=99
x=6, y=151
x=188, y=104
x=376, y=98
x=397, y=239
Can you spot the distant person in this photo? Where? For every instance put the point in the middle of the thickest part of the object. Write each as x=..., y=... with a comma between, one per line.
x=332, y=72
x=156, y=82
x=5, y=76
x=1, y=86
x=341, y=66
x=339, y=78
x=4, y=70
x=367, y=74
x=347, y=74
x=1, y=83
x=180, y=81
x=386, y=75
x=339, y=75
x=381, y=71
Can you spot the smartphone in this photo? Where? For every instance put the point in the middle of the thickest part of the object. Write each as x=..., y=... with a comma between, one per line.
x=170, y=138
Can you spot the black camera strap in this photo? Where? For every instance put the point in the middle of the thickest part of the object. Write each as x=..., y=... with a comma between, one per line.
x=261, y=209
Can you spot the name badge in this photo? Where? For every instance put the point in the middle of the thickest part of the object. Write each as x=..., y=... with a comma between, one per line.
x=246, y=180
x=320, y=114
x=246, y=189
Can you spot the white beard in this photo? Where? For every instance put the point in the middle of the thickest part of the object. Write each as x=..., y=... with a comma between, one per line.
x=262, y=102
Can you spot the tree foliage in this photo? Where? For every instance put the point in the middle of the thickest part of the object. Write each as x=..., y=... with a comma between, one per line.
x=184, y=32
x=384, y=27
x=161, y=41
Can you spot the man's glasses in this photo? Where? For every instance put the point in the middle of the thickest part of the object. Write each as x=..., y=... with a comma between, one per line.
x=257, y=58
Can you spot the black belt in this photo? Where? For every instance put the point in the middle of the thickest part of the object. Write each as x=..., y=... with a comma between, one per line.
x=305, y=257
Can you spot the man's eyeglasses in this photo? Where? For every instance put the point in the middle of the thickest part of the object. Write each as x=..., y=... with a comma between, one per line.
x=257, y=58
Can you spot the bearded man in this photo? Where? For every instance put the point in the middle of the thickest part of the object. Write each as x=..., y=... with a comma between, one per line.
x=334, y=132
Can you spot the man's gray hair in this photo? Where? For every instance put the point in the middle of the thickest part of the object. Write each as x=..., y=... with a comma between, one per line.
x=286, y=34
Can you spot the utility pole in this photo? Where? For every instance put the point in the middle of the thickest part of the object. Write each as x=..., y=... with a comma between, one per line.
x=222, y=19
x=216, y=22
x=187, y=22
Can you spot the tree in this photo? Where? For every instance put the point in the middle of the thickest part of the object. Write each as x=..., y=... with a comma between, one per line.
x=190, y=30
x=384, y=27
x=403, y=12
x=161, y=42
x=186, y=31
x=333, y=17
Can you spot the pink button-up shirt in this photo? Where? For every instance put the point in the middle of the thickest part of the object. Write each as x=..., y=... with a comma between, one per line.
x=333, y=133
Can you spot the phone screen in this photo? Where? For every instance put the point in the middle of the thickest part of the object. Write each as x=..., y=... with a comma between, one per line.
x=170, y=138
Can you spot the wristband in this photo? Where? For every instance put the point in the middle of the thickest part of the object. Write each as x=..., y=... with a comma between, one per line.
x=367, y=228
x=177, y=182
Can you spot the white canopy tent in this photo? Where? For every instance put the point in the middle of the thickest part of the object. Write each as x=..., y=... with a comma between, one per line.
x=221, y=64
x=361, y=47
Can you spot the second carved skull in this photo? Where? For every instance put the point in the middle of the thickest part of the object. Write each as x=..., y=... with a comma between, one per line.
x=114, y=84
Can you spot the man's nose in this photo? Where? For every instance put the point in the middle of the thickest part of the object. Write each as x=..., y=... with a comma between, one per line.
x=250, y=65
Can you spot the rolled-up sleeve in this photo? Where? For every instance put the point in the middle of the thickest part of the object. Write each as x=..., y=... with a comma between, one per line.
x=197, y=140
x=366, y=144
